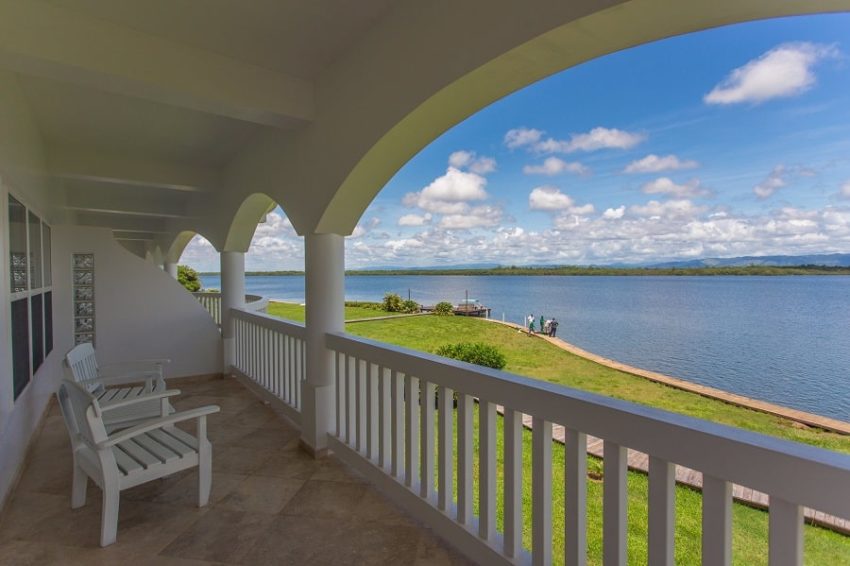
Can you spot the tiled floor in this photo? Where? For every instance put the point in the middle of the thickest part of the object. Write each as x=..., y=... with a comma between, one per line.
x=270, y=503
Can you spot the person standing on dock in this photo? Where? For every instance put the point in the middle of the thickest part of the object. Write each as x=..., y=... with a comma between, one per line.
x=529, y=323
x=553, y=327
x=542, y=331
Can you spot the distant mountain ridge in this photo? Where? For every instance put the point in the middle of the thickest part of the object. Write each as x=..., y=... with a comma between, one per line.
x=830, y=260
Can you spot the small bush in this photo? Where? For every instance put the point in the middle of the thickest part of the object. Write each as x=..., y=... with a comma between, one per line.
x=392, y=303
x=474, y=353
x=444, y=308
x=410, y=306
x=188, y=277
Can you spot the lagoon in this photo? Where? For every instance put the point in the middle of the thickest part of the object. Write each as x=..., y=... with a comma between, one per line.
x=785, y=340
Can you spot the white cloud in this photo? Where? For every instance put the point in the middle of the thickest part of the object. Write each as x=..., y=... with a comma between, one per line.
x=414, y=219
x=449, y=193
x=772, y=183
x=477, y=217
x=655, y=164
x=666, y=186
x=844, y=191
x=470, y=160
x=597, y=138
x=521, y=137
x=785, y=70
x=614, y=213
x=670, y=209
x=555, y=166
x=549, y=198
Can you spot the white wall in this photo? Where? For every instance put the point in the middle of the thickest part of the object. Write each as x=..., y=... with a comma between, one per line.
x=140, y=311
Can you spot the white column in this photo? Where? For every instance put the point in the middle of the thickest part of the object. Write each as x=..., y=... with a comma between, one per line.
x=170, y=268
x=325, y=300
x=232, y=296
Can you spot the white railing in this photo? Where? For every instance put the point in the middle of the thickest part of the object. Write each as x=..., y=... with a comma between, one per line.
x=271, y=352
x=385, y=427
x=212, y=302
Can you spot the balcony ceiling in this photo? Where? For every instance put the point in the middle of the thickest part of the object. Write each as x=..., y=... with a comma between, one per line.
x=299, y=38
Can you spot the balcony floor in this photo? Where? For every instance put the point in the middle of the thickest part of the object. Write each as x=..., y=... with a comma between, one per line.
x=270, y=503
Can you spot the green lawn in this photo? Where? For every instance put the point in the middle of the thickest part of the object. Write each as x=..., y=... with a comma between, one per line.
x=538, y=359
x=294, y=311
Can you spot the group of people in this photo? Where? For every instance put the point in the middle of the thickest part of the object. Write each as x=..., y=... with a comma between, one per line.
x=549, y=326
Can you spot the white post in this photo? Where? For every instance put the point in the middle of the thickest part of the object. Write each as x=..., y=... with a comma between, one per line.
x=232, y=297
x=325, y=301
x=170, y=267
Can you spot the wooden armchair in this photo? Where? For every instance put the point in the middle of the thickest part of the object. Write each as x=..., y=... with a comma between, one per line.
x=121, y=381
x=147, y=451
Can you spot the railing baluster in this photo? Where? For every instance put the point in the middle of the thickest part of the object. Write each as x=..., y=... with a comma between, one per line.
x=411, y=432
x=384, y=404
x=716, y=521
x=340, y=395
x=371, y=411
x=302, y=357
x=785, y=538
x=464, y=459
x=426, y=430
x=614, y=504
x=541, y=492
x=487, y=470
x=360, y=404
x=351, y=401
x=446, y=444
x=662, y=511
x=513, y=482
x=397, y=423
x=575, y=493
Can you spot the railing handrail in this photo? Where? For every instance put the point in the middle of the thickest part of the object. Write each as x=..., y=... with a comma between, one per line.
x=271, y=322
x=797, y=473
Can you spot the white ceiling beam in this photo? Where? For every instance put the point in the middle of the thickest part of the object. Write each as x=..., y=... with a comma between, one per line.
x=49, y=41
x=125, y=223
x=89, y=165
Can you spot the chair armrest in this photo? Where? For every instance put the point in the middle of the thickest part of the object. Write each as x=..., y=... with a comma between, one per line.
x=154, y=424
x=124, y=378
x=152, y=364
x=109, y=405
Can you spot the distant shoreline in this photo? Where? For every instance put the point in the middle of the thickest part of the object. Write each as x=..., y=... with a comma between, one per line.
x=581, y=271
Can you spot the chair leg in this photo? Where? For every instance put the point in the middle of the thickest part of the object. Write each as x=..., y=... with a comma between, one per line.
x=204, y=473
x=109, y=515
x=78, y=487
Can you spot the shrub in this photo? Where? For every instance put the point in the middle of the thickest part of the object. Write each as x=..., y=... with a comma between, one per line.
x=392, y=303
x=410, y=306
x=365, y=305
x=444, y=308
x=188, y=277
x=474, y=353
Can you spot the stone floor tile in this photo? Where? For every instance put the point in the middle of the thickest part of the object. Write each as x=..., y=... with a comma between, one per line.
x=326, y=499
x=284, y=463
x=223, y=535
x=185, y=491
x=331, y=469
x=238, y=459
x=259, y=494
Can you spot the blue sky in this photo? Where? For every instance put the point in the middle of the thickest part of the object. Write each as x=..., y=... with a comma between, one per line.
x=734, y=141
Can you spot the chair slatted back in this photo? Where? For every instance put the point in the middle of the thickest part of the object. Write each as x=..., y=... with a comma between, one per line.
x=82, y=414
x=82, y=364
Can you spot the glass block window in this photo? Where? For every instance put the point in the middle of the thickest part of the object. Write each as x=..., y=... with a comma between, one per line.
x=83, y=280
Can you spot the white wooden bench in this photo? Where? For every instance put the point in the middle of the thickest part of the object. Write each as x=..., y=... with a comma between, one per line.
x=117, y=382
x=147, y=451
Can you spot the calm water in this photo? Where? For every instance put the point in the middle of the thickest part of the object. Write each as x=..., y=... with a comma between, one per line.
x=781, y=339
